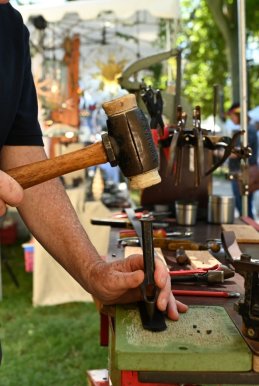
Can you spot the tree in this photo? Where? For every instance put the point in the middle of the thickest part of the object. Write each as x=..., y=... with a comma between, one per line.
x=210, y=38
x=204, y=58
x=226, y=17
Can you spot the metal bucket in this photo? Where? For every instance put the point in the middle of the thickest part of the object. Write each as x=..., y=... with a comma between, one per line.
x=221, y=209
x=186, y=212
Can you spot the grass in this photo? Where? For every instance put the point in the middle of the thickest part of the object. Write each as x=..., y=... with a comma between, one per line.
x=45, y=346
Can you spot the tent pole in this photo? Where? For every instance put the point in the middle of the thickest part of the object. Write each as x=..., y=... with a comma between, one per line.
x=168, y=48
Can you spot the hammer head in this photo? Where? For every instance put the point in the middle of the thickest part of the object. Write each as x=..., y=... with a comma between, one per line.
x=129, y=142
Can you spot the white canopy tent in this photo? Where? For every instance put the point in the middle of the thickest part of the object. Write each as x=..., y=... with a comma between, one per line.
x=89, y=9
x=131, y=29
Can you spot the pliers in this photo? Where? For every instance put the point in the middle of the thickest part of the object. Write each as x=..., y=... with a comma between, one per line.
x=154, y=103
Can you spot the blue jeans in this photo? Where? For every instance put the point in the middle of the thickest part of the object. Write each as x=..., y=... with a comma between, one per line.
x=238, y=199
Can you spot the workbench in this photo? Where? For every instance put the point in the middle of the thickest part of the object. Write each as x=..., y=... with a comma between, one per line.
x=230, y=372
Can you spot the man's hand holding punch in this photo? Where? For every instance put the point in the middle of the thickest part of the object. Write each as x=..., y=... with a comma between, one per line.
x=119, y=282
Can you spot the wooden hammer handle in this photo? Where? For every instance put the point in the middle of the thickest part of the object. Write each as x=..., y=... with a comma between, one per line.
x=41, y=171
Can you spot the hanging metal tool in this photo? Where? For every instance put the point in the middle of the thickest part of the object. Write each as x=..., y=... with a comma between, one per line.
x=132, y=69
x=229, y=146
x=215, y=105
x=198, y=149
x=154, y=103
x=187, y=137
x=175, y=151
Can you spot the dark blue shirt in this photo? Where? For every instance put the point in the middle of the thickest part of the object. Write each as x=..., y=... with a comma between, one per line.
x=18, y=102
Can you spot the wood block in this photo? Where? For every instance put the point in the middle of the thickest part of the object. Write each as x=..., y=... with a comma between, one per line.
x=138, y=250
x=204, y=339
x=244, y=233
x=201, y=259
x=256, y=363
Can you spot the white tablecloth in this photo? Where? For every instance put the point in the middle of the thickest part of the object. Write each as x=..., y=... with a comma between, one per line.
x=51, y=283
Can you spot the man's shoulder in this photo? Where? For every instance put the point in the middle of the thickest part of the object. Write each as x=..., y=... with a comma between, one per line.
x=13, y=12
x=12, y=23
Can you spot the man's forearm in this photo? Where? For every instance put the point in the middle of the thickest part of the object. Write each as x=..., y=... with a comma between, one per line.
x=50, y=217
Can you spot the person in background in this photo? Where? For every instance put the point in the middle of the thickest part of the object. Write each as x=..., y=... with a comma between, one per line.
x=46, y=209
x=234, y=161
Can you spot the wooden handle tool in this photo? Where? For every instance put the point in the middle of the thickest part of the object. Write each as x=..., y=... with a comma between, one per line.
x=127, y=144
x=35, y=173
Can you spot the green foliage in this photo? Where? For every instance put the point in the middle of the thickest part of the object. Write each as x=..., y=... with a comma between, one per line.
x=156, y=75
x=204, y=51
x=156, y=78
x=252, y=17
x=253, y=86
x=204, y=56
x=45, y=346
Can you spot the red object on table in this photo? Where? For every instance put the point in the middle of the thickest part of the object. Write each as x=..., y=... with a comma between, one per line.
x=124, y=215
x=132, y=233
x=130, y=378
x=187, y=272
x=221, y=294
x=157, y=137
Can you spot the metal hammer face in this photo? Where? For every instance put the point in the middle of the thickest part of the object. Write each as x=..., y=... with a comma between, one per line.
x=129, y=142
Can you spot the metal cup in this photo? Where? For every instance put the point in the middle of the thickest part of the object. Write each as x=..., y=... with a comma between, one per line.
x=221, y=209
x=186, y=212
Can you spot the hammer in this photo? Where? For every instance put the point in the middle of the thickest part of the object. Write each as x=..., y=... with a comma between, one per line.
x=128, y=144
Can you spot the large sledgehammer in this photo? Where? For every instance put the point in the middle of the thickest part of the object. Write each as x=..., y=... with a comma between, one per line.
x=128, y=144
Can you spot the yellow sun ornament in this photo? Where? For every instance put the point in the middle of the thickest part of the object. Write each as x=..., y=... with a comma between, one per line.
x=110, y=71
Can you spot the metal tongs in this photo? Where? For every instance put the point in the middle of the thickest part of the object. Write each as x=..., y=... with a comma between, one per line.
x=182, y=137
x=175, y=150
x=154, y=103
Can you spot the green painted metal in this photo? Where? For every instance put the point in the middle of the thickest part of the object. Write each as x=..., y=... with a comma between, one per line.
x=204, y=339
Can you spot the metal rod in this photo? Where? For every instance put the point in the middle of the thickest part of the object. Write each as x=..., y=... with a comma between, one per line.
x=243, y=89
x=148, y=249
x=178, y=84
x=242, y=69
